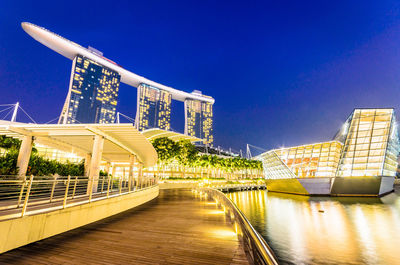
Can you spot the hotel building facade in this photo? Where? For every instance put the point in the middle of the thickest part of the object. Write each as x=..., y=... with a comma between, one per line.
x=92, y=95
x=199, y=120
x=153, y=108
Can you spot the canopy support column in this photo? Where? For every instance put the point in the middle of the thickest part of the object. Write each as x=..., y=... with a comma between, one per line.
x=114, y=170
x=24, y=155
x=88, y=159
x=95, y=163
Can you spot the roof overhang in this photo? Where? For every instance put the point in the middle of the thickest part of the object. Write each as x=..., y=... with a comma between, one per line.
x=154, y=133
x=70, y=49
x=120, y=140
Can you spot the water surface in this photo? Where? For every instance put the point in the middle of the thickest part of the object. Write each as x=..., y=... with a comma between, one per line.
x=325, y=230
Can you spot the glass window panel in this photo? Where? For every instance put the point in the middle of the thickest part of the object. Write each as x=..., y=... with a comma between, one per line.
x=374, y=165
x=364, y=129
x=358, y=173
x=351, y=147
x=360, y=159
x=379, y=132
x=380, y=125
x=371, y=172
x=376, y=146
x=376, y=139
x=375, y=159
x=362, y=147
x=361, y=153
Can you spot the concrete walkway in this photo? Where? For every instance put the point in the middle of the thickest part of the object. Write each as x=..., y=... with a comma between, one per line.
x=175, y=228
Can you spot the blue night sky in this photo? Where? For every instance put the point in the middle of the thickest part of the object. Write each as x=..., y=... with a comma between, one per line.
x=282, y=72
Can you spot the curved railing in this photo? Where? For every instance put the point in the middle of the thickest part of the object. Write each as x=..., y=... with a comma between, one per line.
x=34, y=194
x=255, y=246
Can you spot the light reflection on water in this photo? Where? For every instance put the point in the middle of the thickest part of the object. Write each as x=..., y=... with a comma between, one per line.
x=325, y=230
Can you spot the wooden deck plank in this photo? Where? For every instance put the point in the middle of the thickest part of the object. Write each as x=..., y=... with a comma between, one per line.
x=175, y=228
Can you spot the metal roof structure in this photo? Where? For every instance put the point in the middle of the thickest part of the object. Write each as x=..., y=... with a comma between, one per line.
x=120, y=140
x=70, y=49
x=155, y=133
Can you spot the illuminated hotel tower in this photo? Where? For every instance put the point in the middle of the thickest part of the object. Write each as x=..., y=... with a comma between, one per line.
x=199, y=119
x=153, y=108
x=92, y=95
x=94, y=85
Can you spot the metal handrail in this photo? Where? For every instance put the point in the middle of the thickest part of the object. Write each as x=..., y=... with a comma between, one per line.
x=19, y=197
x=256, y=248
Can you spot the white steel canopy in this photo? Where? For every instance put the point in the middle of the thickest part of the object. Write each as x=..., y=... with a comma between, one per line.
x=152, y=134
x=120, y=140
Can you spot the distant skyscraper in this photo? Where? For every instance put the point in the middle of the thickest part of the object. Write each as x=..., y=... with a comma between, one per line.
x=199, y=119
x=153, y=108
x=92, y=95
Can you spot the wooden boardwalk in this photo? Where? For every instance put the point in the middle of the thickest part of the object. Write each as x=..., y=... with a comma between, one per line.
x=175, y=228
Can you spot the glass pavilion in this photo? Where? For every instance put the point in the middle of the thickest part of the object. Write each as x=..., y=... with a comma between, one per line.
x=366, y=145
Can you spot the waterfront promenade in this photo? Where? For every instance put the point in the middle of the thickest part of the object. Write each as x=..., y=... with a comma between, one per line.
x=178, y=227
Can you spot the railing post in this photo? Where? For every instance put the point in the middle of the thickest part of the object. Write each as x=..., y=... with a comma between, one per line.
x=90, y=184
x=102, y=184
x=120, y=185
x=112, y=182
x=108, y=186
x=53, y=187
x=76, y=181
x=66, y=191
x=21, y=192
x=27, y=196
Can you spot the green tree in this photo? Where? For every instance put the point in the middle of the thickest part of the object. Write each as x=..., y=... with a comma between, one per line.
x=9, y=143
x=8, y=163
x=166, y=149
x=187, y=153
